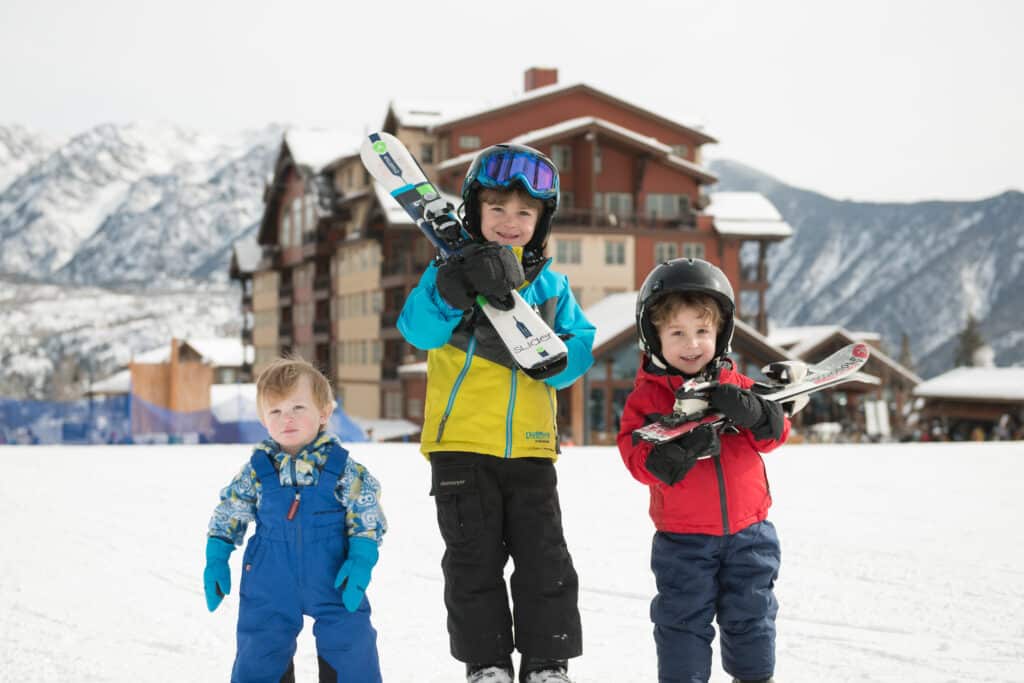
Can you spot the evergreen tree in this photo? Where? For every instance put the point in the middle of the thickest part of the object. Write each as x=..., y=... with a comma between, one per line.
x=970, y=341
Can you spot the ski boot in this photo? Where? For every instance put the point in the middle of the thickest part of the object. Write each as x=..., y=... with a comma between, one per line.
x=495, y=672
x=534, y=670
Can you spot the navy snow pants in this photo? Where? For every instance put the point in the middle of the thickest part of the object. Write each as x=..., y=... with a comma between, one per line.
x=701, y=576
x=288, y=571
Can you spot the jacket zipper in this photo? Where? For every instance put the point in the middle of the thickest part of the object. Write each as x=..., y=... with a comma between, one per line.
x=721, y=494
x=554, y=417
x=509, y=414
x=455, y=388
x=298, y=525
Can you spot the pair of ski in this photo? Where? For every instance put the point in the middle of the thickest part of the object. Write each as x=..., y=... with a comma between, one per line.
x=840, y=367
x=532, y=343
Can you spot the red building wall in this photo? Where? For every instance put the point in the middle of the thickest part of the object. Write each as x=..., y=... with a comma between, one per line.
x=547, y=111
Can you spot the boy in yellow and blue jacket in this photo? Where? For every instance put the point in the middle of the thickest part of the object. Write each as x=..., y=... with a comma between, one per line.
x=490, y=430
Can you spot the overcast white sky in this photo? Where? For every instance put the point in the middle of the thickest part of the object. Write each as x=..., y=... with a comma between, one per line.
x=873, y=100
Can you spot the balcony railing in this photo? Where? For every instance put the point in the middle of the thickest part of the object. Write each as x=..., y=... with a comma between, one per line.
x=605, y=219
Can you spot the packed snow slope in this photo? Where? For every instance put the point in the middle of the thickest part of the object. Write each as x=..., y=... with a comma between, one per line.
x=901, y=563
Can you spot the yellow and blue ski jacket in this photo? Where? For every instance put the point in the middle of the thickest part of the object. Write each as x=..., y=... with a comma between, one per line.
x=478, y=401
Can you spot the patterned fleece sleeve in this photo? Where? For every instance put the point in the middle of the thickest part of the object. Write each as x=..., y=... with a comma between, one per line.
x=237, y=506
x=359, y=492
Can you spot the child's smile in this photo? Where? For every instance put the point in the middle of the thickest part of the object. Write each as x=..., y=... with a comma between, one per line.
x=687, y=340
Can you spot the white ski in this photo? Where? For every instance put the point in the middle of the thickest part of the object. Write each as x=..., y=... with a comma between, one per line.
x=840, y=367
x=532, y=343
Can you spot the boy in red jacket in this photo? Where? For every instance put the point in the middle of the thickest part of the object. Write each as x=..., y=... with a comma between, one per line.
x=714, y=553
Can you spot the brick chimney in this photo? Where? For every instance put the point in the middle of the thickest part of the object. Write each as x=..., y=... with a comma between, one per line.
x=538, y=77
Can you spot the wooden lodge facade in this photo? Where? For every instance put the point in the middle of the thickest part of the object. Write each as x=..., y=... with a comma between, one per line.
x=336, y=257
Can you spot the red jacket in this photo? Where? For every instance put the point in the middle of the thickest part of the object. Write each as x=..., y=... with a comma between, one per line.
x=719, y=495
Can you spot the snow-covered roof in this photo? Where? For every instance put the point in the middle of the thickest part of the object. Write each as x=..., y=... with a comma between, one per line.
x=248, y=253
x=581, y=123
x=233, y=402
x=395, y=214
x=423, y=113
x=318, y=148
x=980, y=384
x=118, y=383
x=799, y=339
x=386, y=429
x=751, y=331
x=544, y=91
x=612, y=316
x=747, y=214
x=217, y=351
x=419, y=368
x=616, y=313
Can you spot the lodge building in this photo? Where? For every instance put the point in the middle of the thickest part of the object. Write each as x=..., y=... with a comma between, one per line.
x=336, y=257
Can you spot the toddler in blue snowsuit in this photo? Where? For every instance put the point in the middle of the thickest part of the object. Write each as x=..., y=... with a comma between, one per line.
x=318, y=525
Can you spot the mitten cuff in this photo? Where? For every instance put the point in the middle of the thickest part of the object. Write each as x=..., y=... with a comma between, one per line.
x=772, y=421
x=218, y=549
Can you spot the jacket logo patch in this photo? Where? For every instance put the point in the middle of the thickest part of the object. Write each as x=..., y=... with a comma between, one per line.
x=452, y=482
x=538, y=436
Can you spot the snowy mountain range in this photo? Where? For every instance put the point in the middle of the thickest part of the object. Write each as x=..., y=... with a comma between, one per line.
x=917, y=268
x=118, y=238
x=126, y=230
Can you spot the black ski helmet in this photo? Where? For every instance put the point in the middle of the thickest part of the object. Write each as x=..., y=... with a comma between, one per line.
x=502, y=166
x=684, y=275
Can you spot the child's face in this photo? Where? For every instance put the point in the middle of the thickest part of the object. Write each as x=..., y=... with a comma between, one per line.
x=294, y=420
x=687, y=340
x=508, y=220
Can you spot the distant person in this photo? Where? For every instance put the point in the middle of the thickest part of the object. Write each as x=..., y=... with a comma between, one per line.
x=1002, y=431
x=490, y=430
x=318, y=525
x=714, y=555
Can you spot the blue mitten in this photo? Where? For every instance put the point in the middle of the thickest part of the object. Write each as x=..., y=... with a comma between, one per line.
x=354, y=575
x=217, y=575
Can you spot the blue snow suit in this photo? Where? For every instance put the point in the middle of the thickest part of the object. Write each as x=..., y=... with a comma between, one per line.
x=701, y=577
x=288, y=570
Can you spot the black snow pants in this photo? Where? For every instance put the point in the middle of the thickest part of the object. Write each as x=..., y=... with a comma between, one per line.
x=488, y=509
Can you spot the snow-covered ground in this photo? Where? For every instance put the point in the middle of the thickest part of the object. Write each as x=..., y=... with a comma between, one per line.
x=900, y=563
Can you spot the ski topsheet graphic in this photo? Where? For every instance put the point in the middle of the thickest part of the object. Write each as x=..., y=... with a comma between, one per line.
x=840, y=367
x=532, y=343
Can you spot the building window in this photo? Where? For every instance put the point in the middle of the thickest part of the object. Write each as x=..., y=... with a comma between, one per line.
x=562, y=156
x=614, y=253
x=668, y=205
x=681, y=150
x=469, y=141
x=665, y=251
x=414, y=406
x=297, y=224
x=393, y=405
x=427, y=152
x=693, y=250
x=566, y=200
x=597, y=160
x=568, y=251
x=286, y=229
x=617, y=203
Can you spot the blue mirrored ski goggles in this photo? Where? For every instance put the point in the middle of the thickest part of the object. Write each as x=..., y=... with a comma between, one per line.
x=501, y=169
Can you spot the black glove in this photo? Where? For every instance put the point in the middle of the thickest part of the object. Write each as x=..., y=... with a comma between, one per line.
x=487, y=269
x=746, y=409
x=671, y=461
